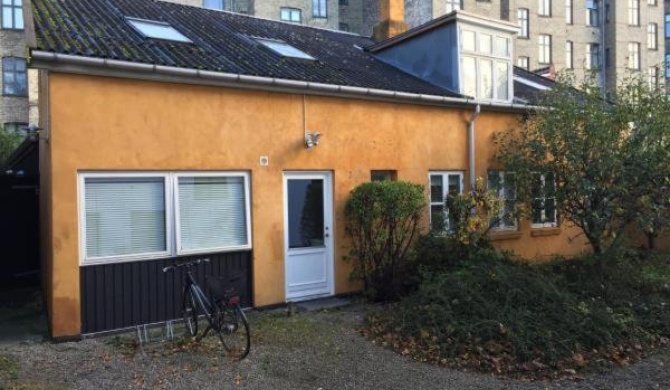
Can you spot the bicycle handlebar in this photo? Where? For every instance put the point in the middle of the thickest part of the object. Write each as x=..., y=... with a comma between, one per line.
x=186, y=263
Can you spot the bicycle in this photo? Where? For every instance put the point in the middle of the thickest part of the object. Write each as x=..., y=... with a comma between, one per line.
x=221, y=310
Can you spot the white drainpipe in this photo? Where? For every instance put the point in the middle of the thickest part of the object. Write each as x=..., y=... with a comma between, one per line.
x=471, y=146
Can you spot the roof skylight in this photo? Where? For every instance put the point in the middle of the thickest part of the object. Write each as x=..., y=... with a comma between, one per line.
x=284, y=49
x=158, y=30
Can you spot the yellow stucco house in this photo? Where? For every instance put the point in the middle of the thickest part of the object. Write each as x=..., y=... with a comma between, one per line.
x=171, y=132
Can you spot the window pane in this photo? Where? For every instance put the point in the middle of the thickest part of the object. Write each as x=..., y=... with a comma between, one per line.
x=436, y=189
x=212, y=212
x=503, y=80
x=438, y=220
x=485, y=43
x=487, y=79
x=502, y=47
x=7, y=17
x=454, y=184
x=468, y=40
x=124, y=216
x=18, y=18
x=469, y=71
x=213, y=4
x=305, y=213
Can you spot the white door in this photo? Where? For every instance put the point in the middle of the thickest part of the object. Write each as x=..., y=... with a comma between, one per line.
x=308, y=238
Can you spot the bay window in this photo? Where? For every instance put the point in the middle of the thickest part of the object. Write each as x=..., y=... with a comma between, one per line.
x=486, y=65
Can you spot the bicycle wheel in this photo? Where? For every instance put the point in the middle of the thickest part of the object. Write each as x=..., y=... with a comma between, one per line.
x=233, y=330
x=190, y=313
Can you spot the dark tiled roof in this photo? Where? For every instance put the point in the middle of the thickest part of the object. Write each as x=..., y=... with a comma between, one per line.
x=527, y=92
x=222, y=42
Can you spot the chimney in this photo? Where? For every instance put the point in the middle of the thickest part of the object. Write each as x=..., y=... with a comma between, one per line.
x=391, y=20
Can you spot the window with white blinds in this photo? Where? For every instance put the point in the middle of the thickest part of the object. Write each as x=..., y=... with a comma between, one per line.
x=125, y=216
x=138, y=216
x=212, y=213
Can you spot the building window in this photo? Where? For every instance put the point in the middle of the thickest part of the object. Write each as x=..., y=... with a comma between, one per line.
x=592, y=13
x=454, y=5
x=568, y=11
x=522, y=15
x=568, y=55
x=12, y=15
x=344, y=2
x=486, y=64
x=607, y=58
x=634, y=12
x=652, y=2
x=667, y=66
x=344, y=27
x=213, y=4
x=544, y=44
x=15, y=128
x=441, y=185
x=607, y=13
x=652, y=36
x=386, y=175
x=291, y=15
x=523, y=62
x=504, y=185
x=544, y=201
x=544, y=8
x=653, y=78
x=667, y=25
x=592, y=56
x=320, y=8
x=14, y=79
x=132, y=216
x=633, y=55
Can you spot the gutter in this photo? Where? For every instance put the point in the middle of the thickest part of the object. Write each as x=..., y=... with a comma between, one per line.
x=107, y=67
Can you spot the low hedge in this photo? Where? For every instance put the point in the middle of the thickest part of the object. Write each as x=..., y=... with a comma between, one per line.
x=494, y=314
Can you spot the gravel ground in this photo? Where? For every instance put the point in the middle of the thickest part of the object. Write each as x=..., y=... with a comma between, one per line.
x=320, y=350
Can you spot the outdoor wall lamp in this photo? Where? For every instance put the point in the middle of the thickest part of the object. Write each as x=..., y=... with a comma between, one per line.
x=312, y=139
x=35, y=133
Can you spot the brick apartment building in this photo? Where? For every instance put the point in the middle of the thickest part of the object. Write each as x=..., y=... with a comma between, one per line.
x=611, y=38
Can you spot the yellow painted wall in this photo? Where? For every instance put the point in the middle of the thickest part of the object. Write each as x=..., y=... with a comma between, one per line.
x=101, y=123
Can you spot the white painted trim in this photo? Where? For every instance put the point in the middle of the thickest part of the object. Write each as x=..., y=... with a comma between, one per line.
x=83, y=259
x=328, y=220
x=445, y=188
x=177, y=224
x=172, y=228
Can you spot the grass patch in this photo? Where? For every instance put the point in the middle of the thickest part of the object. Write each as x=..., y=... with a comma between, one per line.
x=9, y=377
x=277, y=328
x=513, y=318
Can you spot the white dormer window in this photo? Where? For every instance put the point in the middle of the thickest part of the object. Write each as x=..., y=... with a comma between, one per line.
x=486, y=64
x=157, y=30
x=284, y=49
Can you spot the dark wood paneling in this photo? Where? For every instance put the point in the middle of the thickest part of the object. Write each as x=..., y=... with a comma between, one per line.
x=121, y=295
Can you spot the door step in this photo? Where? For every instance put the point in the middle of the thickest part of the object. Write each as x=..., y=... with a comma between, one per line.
x=323, y=304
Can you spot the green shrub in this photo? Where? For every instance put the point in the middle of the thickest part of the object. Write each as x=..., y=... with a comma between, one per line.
x=495, y=314
x=382, y=219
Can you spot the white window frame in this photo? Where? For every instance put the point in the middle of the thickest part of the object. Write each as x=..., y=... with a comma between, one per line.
x=523, y=62
x=544, y=49
x=177, y=230
x=653, y=77
x=652, y=36
x=478, y=55
x=172, y=229
x=524, y=23
x=543, y=211
x=445, y=190
x=569, y=54
x=568, y=12
x=633, y=12
x=453, y=5
x=634, y=55
x=501, y=193
x=84, y=259
x=544, y=7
